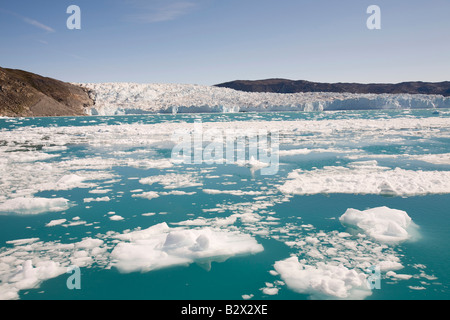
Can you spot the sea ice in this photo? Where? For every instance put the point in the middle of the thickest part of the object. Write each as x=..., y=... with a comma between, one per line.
x=382, y=224
x=366, y=178
x=54, y=223
x=28, y=206
x=323, y=281
x=161, y=247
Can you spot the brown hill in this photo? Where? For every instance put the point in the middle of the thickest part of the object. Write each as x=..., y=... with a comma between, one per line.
x=290, y=86
x=24, y=94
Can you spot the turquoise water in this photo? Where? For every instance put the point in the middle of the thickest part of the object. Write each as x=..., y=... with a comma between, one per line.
x=426, y=259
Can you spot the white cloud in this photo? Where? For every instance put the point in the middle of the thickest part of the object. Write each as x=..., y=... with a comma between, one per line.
x=38, y=24
x=30, y=21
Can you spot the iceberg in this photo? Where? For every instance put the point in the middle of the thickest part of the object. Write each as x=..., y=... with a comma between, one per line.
x=161, y=247
x=382, y=224
x=323, y=281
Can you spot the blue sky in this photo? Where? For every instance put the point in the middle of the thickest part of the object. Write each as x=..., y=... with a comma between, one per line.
x=214, y=41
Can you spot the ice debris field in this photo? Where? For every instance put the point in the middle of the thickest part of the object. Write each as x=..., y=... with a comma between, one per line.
x=354, y=190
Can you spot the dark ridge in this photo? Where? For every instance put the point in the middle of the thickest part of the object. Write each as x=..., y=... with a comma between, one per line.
x=290, y=86
x=25, y=94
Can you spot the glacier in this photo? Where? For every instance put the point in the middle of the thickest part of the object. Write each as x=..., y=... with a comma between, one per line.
x=134, y=98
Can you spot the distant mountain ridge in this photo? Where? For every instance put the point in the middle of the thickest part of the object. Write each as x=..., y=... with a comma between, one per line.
x=25, y=94
x=291, y=86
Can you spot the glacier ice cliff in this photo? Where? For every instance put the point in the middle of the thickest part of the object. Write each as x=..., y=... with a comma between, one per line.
x=132, y=98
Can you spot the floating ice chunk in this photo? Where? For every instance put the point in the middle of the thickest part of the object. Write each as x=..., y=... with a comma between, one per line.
x=74, y=223
x=390, y=265
x=434, y=158
x=89, y=243
x=150, y=214
x=100, y=191
x=147, y=195
x=392, y=274
x=417, y=288
x=32, y=206
x=116, y=218
x=270, y=291
x=233, y=192
x=31, y=262
x=177, y=193
x=294, y=152
x=102, y=199
x=161, y=247
x=22, y=241
x=323, y=281
x=54, y=223
x=382, y=224
x=26, y=276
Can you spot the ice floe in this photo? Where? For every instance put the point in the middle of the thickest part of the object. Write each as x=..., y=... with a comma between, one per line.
x=382, y=224
x=55, y=223
x=28, y=206
x=161, y=247
x=323, y=281
x=32, y=261
x=366, y=178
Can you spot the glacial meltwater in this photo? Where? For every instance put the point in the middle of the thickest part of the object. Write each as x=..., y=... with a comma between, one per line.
x=355, y=206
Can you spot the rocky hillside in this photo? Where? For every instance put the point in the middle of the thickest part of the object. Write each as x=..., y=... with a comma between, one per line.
x=290, y=86
x=24, y=94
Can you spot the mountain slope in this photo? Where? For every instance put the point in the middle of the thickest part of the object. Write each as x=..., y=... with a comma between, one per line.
x=24, y=94
x=290, y=86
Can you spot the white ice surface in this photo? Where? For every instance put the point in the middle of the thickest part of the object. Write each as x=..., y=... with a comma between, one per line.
x=382, y=224
x=161, y=247
x=31, y=262
x=366, y=178
x=27, y=206
x=55, y=223
x=132, y=98
x=323, y=281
